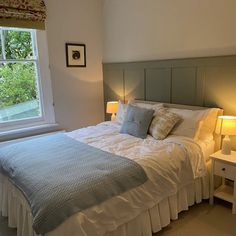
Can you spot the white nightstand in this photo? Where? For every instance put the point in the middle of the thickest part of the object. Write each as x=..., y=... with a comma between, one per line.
x=224, y=166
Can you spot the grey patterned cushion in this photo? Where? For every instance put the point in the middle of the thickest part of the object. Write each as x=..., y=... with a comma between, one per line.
x=162, y=124
x=137, y=121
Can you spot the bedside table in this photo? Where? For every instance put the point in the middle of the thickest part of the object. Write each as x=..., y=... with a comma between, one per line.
x=224, y=166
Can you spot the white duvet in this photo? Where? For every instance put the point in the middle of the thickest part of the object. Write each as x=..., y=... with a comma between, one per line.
x=169, y=165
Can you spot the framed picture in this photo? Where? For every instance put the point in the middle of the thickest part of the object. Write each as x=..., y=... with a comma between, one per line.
x=75, y=55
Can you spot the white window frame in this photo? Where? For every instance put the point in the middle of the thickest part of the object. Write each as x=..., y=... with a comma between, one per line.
x=44, y=86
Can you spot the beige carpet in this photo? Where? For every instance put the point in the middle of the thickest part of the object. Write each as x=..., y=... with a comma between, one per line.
x=203, y=220
x=200, y=220
x=4, y=230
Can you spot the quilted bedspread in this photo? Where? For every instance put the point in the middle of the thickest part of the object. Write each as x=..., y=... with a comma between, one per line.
x=60, y=176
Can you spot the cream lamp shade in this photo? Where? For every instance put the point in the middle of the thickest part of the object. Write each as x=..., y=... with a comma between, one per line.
x=112, y=108
x=226, y=125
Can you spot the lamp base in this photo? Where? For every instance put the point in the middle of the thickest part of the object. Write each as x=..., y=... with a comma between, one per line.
x=226, y=146
x=113, y=117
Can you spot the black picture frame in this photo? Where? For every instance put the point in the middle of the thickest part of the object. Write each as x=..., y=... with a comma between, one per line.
x=75, y=55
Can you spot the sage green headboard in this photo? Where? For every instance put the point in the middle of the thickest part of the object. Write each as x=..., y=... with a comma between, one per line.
x=209, y=81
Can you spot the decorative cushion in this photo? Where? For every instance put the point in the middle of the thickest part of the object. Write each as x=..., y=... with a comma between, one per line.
x=137, y=121
x=120, y=115
x=163, y=123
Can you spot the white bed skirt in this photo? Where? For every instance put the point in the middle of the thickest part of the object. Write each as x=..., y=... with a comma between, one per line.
x=14, y=206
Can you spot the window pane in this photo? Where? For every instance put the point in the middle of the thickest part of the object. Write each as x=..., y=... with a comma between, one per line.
x=1, y=57
x=18, y=91
x=18, y=44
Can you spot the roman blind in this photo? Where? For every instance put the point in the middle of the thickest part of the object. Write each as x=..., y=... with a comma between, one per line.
x=23, y=13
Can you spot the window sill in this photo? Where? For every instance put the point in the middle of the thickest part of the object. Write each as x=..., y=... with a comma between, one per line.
x=29, y=131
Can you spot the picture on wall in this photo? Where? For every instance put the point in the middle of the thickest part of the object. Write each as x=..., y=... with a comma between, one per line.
x=75, y=55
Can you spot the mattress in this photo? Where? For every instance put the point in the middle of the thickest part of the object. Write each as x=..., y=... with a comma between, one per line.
x=170, y=165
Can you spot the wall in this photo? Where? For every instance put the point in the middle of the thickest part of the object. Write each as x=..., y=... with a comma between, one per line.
x=133, y=30
x=139, y=30
x=77, y=92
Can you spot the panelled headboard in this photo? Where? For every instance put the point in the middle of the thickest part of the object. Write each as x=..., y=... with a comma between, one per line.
x=209, y=81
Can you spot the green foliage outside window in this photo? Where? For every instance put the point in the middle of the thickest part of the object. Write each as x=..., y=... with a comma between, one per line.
x=18, y=44
x=18, y=84
x=18, y=79
x=0, y=48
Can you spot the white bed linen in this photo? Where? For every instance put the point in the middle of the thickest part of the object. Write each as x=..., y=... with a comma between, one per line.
x=149, y=153
x=14, y=206
x=208, y=147
x=171, y=165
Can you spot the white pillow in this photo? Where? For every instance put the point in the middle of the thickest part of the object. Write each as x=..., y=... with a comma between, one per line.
x=190, y=122
x=155, y=106
x=123, y=107
x=208, y=124
x=120, y=115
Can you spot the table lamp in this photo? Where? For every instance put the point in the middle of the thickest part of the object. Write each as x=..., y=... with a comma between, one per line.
x=226, y=125
x=112, y=108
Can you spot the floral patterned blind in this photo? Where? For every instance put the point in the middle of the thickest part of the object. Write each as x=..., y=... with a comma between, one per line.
x=23, y=10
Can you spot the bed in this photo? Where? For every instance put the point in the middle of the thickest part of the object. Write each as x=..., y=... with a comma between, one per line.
x=177, y=178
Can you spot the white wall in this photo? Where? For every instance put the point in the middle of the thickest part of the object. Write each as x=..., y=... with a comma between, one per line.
x=136, y=30
x=77, y=92
x=133, y=30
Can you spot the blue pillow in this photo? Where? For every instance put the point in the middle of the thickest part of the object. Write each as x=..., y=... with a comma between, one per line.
x=137, y=121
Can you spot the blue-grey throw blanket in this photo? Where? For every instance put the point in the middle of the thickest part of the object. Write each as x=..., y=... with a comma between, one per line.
x=60, y=176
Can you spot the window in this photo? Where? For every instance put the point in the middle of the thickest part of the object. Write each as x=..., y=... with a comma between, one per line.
x=25, y=94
